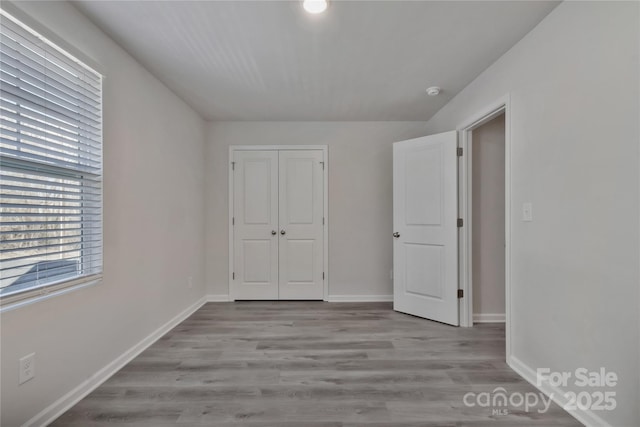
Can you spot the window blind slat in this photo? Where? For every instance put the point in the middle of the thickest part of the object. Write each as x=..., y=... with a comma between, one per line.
x=46, y=146
x=54, y=57
x=77, y=245
x=48, y=92
x=49, y=149
x=79, y=198
x=14, y=60
x=19, y=96
x=81, y=185
x=29, y=109
x=19, y=68
x=56, y=132
x=97, y=227
x=11, y=208
x=28, y=63
x=47, y=160
x=89, y=265
x=70, y=245
x=84, y=195
x=67, y=236
x=86, y=263
x=13, y=223
x=55, y=273
x=6, y=107
x=37, y=140
x=66, y=251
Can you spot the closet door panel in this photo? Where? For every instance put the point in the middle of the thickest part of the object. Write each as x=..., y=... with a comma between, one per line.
x=301, y=224
x=255, y=208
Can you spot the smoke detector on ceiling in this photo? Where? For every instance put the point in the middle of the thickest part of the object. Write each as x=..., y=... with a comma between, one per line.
x=433, y=91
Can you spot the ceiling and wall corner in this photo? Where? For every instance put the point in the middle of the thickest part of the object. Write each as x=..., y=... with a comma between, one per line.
x=358, y=61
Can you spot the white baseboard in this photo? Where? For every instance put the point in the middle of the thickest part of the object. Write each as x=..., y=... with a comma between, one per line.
x=489, y=317
x=218, y=298
x=53, y=411
x=331, y=298
x=360, y=298
x=586, y=417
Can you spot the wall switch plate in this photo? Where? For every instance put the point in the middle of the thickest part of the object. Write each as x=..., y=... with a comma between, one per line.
x=27, y=368
x=527, y=211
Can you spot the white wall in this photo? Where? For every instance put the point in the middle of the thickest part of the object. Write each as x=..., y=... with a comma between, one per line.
x=487, y=151
x=153, y=222
x=360, y=196
x=573, y=85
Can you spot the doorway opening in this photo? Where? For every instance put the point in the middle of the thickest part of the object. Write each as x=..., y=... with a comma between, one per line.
x=484, y=177
x=487, y=221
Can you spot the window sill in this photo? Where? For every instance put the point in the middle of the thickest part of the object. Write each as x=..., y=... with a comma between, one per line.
x=12, y=302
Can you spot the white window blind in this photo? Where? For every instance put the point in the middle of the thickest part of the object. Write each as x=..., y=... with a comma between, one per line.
x=50, y=165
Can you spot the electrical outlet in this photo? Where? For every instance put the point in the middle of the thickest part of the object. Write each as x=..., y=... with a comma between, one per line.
x=27, y=368
x=190, y=282
x=527, y=211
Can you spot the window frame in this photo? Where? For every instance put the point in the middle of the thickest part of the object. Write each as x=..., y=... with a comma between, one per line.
x=62, y=285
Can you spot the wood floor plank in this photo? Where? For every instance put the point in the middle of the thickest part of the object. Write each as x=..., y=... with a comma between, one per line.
x=311, y=364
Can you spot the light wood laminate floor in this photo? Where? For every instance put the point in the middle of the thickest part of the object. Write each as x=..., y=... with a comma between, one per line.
x=316, y=364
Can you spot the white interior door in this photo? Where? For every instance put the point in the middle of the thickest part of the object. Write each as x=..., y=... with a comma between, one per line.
x=301, y=228
x=278, y=225
x=255, y=216
x=425, y=211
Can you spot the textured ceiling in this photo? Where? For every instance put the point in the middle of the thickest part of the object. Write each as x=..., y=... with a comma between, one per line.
x=361, y=60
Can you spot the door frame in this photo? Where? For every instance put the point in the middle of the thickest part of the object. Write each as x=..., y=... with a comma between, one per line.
x=465, y=130
x=325, y=236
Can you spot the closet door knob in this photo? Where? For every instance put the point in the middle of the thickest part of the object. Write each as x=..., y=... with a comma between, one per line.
x=396, y=234
x=283, y=232
x=273, y=232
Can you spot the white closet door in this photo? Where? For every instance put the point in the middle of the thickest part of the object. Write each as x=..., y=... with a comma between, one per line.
x=425, y=207
x=255, y=208
x=301, y=224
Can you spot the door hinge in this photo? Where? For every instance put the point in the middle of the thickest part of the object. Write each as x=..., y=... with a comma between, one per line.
x=233, y=220
x=459, y=151
x=322, y=163
x=323, y=275
x=233, y=276
x=322, y=220
x=460, y=222
x=460, y=293
x=233, y=166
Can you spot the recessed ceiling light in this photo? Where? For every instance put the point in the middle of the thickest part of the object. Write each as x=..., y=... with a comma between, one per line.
x=315, y=6
x=433, y=91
